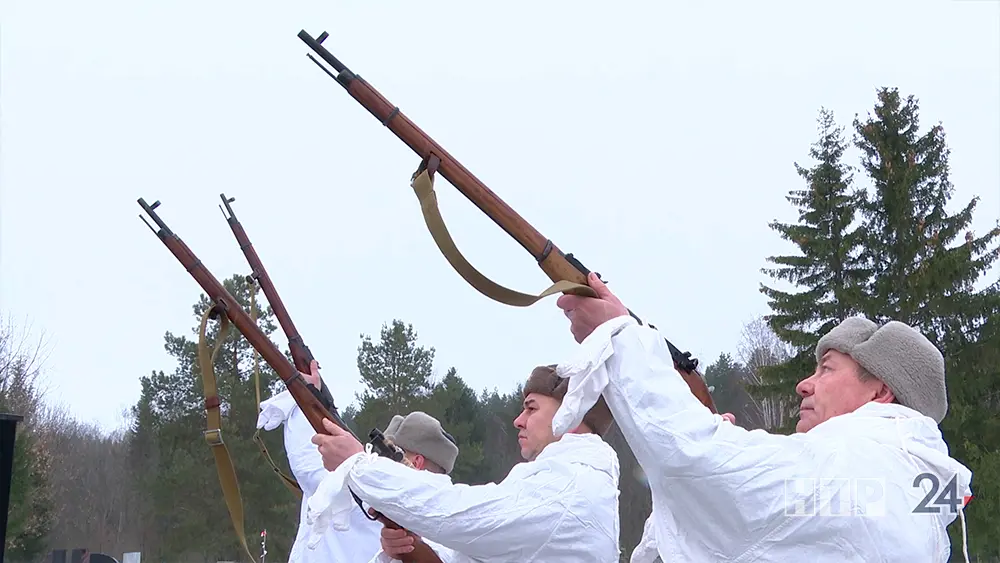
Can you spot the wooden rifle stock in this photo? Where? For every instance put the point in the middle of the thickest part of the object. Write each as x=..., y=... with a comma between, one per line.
x=226, y=304
x=301, y=355
x=305, y=395
x=557, y=266
x=550, y=258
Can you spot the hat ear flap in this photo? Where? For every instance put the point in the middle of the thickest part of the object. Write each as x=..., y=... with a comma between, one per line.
x=393, y=426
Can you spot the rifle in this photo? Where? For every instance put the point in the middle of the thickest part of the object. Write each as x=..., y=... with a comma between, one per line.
x=306, y=397
x=568, y=273
x=301, y=355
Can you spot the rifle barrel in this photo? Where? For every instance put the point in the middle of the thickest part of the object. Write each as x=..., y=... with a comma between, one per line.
x=316, y=45
x=543, y=249
x=301, y=355
x=311, y=406
x=556, y=265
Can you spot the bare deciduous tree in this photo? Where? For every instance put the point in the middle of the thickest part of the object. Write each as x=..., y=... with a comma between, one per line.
x=21, y=371
x=760, y=347
x=29, y=514
x=95, y=502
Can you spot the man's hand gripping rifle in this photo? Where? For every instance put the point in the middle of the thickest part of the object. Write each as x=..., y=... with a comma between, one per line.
x=567, y=273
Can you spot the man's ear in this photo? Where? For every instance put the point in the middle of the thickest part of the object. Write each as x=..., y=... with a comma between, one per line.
x=419, y=462
x=883, y=394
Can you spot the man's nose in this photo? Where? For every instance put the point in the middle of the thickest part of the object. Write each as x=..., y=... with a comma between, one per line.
x=805, y=387
x=518, y=423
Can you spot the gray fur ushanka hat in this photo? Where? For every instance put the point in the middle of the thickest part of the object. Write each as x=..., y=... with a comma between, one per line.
x=899, y=356
x=421, y=433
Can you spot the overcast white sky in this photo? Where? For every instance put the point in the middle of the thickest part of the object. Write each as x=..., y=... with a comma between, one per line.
x=653, y=139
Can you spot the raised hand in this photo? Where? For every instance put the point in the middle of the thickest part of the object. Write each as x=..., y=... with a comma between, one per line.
x=587, y=313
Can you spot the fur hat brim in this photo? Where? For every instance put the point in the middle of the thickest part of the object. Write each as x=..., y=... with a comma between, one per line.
x=544, y=381
x=898, y=355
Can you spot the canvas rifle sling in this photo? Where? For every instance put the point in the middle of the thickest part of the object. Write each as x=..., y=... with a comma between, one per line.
x=213, y=433
x=289, y=482
x=423, y=186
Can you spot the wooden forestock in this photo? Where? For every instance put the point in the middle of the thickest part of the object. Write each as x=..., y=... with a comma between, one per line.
x=311, y=406
x=550, y=258
x=301, y=355
x=554, y=264
x=698, y=388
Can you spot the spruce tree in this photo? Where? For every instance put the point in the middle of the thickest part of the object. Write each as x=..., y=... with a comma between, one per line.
x=396, y=373
x=456, y=406
x=187, y=508
x=500, y=446
x=826, y=265
x=925, y=266
x=729, y=380
x=972, y=432
x=918, y=273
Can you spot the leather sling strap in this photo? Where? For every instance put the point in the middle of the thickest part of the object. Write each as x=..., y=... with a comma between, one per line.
x=213, y=433
x=289, y=482
x=423, y=186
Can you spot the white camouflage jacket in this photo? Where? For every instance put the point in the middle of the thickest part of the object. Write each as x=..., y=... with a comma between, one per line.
x=560, y=508
x=846, y=491
x=357, y=544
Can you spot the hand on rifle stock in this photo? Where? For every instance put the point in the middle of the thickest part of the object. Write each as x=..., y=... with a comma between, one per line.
x=336, y=446
x=587, y=313
x=396, y=541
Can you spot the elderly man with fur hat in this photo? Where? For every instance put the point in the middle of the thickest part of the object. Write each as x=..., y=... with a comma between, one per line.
x=425, y=444
x=559, y=505
x=866, y=477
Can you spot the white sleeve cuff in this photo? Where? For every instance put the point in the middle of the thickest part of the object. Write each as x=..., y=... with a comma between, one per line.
x=276, y=410
x=332, y=502
x=382, y=557
x=587, y=374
